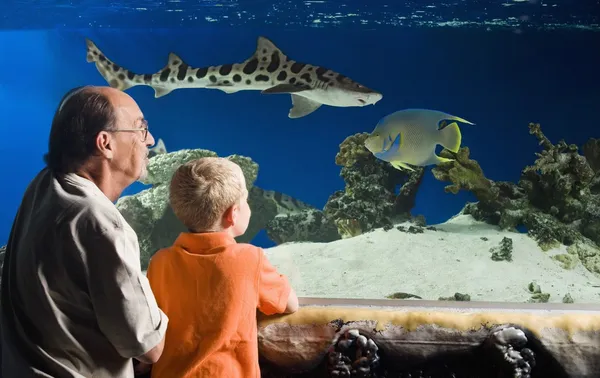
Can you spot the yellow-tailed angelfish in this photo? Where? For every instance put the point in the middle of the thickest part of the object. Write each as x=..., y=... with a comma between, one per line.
x=410, y=137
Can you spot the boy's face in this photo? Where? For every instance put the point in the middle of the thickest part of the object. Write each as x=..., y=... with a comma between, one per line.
x=241, y=212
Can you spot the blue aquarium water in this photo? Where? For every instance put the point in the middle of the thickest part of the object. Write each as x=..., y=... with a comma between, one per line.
x=335, y=217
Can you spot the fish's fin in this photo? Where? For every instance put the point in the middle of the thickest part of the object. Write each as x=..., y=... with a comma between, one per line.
x=172, y=65
x=443, y=159
x=392, y=151
x=159, y=148
x=400, y=165
x=174, y=61
x=161, y=91
x=116, y=76
x=285, y=88
x=302, y=106
x=455, y=118
x=227, y=88
x=435, y=159
x=265, y=51
x=450, y=137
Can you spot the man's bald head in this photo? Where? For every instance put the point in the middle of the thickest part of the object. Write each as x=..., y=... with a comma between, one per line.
x=83, y=112
x=100, y=133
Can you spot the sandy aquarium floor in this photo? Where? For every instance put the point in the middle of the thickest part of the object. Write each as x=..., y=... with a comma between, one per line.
x=432, y=264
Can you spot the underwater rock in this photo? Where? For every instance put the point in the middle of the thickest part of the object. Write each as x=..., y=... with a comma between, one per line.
x=537, y=295
x=369, y=199
x=401, y=295
x=588, y=255
x=456, y=297
x=567, y=260
x=307, y=225
x=503, y=251
x=149, y=214
x=557, y=198
x=162, y=166
x=568, y=299
x=591, y=151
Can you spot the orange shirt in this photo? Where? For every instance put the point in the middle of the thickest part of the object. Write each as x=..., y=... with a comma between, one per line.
x=210, y=288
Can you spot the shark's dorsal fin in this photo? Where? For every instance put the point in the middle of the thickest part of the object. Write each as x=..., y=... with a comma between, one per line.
x=172, y=64
x=174, y=60
x=265, y=49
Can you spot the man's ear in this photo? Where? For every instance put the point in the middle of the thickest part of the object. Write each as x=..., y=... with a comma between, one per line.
x=105, y=144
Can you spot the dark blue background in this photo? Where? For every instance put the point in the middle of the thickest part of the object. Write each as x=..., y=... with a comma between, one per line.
x=500, y=80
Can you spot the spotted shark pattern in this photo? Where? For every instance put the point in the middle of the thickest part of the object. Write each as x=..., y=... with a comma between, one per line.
x=268, y=70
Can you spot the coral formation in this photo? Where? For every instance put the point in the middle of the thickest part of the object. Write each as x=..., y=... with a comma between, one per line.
x=375, y=195
x=557, y=198
x=370, y=199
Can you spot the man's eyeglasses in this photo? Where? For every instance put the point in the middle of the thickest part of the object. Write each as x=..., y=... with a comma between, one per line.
x=144, y=128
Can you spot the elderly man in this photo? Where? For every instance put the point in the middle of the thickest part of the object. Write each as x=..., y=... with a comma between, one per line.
x=75, y=302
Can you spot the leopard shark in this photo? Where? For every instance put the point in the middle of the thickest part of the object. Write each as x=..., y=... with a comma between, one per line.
x=268, y=70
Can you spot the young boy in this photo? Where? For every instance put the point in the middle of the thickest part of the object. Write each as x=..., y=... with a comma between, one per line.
x=210, y=286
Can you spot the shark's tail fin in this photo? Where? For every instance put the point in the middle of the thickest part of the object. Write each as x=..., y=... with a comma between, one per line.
x=115, y=75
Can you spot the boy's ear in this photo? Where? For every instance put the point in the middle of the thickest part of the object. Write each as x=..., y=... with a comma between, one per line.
x=230, y=215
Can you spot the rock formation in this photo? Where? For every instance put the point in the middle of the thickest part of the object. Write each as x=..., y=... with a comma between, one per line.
x=371, y=199
x=557, y=199
x=150, y=215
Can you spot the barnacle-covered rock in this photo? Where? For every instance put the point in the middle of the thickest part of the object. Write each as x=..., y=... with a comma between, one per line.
x=513, y=357
x=369, y=199
x=354, y=355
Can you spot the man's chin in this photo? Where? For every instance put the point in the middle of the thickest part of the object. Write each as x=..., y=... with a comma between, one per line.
x=143, y=175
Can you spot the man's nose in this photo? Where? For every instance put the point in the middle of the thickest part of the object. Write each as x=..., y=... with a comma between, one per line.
x=150, y=140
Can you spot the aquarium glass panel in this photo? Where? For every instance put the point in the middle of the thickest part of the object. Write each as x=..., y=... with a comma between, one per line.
x=412, y=151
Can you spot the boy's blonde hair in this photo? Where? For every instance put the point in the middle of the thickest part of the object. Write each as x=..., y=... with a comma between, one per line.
x=202, y=189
